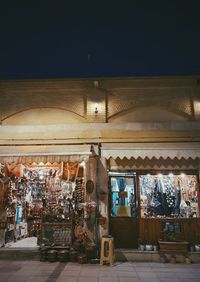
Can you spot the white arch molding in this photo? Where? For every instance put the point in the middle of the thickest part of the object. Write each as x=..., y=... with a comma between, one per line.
x=146, y=114
x=43, y=116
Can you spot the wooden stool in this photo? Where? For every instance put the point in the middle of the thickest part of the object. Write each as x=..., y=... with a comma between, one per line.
x=107, y=250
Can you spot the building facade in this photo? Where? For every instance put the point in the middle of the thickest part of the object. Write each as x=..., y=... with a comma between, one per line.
x=122, y=153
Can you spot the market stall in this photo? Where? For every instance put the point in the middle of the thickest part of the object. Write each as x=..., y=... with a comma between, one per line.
x=151, y=185
x=53, y=201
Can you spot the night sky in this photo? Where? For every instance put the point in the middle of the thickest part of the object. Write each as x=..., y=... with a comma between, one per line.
x=58, y=39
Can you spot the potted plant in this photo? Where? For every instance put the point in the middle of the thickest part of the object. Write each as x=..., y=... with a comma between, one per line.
x=192, y=245
x=155, y=245
x=197, y=243
x=172, y=240
x=141, y=244
x=197, y=247
x=148, y=246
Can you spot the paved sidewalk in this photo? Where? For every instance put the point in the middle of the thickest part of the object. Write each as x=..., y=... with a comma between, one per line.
x=36, y=271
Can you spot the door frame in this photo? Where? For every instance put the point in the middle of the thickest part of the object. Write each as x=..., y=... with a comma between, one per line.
x=134, y=220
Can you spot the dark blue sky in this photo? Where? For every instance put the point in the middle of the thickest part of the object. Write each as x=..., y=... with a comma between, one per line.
x=45, y=39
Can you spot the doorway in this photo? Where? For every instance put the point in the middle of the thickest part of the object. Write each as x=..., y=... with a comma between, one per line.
x=123, y=217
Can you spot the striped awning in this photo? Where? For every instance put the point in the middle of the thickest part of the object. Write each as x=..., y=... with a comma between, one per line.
x=43, y=153
x=151, y=150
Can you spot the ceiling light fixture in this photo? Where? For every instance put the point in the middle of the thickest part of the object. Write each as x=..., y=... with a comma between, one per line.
x=96, y=110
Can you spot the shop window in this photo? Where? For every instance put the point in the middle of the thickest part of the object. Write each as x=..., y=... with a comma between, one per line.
x=168, y=196
x=123, y=196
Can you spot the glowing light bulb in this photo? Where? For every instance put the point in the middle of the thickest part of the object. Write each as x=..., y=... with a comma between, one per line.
x=96, y=108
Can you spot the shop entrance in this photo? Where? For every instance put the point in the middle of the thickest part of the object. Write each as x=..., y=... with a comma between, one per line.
x=123, y=209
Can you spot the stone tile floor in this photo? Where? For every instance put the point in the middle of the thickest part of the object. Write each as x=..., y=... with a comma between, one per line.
x=36, y=271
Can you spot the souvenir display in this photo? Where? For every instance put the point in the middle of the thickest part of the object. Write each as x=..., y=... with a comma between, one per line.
x=168, y=195
x=63, y=255
x=49, y=202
